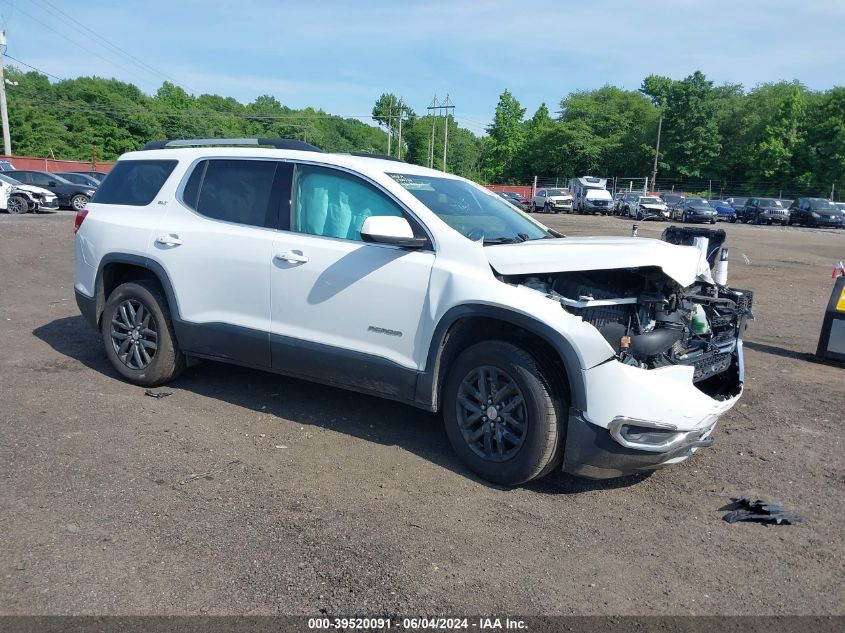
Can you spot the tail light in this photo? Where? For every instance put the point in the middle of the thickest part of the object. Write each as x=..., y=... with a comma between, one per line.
x=80, y=216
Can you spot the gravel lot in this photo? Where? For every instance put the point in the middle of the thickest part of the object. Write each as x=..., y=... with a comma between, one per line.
x=248, y=493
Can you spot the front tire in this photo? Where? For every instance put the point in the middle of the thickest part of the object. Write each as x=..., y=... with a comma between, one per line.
x=525, y=439
x=138, y=335
x=17, y=205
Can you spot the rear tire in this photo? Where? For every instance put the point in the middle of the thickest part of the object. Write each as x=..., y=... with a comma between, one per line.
x=78, y=202
x=143, y=350
x=524, y=444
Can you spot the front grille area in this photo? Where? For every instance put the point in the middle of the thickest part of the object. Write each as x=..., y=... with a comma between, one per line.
x=711, y=365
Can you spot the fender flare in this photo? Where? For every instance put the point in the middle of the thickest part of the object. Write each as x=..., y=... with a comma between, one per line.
x=141, y=262
x=429, y=380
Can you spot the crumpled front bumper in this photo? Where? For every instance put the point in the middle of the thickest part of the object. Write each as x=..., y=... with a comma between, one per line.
x=642, y=419
x=592, y=452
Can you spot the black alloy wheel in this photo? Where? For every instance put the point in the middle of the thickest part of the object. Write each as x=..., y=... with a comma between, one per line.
x=134, y=334
x=491, y=413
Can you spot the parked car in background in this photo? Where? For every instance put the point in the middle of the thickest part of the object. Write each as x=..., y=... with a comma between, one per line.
x=629, y=200
x=840, y=206
x=724, y=210
x=672, y=200
x=20, y=198
x=764, y=211
x=70, y=195
x=6, y=165
x=694, y=210
x=79, y=179
x=96, y=175
x=816, y=212
x=649, y=208
x=552, y=201
x=618, y=197
x=737, y=203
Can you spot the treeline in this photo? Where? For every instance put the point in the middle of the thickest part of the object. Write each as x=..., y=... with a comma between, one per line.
x=774, y=135
x=65, y=119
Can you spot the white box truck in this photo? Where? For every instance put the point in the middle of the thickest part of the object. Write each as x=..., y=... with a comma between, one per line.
x=590, y=195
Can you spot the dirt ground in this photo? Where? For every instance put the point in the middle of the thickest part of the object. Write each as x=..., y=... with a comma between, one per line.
x=248, y=493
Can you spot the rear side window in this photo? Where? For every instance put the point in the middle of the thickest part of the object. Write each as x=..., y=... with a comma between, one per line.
x=238, y=191
x=134, y=182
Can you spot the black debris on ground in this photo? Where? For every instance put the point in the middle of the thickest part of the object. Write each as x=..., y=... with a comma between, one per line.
x=760, y=511
x=157, y=394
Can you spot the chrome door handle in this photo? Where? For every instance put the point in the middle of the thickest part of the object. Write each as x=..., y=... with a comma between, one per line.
x=292, y=258
x=169, y=240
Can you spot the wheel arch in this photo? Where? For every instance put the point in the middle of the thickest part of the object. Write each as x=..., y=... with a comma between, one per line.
x=118, y=268
x=467, y=324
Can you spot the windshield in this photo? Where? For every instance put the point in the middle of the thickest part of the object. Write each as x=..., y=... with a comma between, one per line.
x=8, y=180
x=699, y=202
x=768, y=202
x=822, y=205
x=672, y=198
x=471, y=210
x=556, y=192
x=651, y=201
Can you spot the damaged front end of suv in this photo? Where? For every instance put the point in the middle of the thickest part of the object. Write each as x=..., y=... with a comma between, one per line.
x=650, y=321
x=676, y=363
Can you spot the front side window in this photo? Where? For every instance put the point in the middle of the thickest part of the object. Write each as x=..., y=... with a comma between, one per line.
x=237, y=191
x=134, y=182
x=332, y=203
x=472, y=210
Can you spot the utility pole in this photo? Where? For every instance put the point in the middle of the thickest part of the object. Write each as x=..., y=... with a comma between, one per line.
x=399, y=144
x=389, y=123
x=434, y=106
x=656, y=153
x=446, y=105
x=4, y=110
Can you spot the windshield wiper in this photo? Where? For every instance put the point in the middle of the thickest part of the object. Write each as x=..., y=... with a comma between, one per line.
x=502, y=240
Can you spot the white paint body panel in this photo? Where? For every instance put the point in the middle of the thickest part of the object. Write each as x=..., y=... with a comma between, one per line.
x=681, y=263
x=227, y=273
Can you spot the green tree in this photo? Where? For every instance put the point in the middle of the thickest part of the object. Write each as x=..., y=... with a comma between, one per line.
x=505, y=142
x=689, y=124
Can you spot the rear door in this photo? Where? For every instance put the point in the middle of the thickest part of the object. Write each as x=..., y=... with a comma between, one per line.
x=215, y=244
x=345, y=311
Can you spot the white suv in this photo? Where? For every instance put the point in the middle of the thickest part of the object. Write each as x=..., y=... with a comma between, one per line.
x=601, y=355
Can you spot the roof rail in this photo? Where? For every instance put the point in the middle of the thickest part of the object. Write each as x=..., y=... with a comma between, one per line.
x=278, y=143
x=379, y=156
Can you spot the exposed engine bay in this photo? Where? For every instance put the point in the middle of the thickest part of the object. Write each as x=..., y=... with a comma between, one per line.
x=650, y=321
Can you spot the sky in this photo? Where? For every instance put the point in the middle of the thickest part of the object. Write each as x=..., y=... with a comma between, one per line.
x=339, y=56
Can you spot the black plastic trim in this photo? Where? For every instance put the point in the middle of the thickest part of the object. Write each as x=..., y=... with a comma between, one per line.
x=88, y=307
x=344, y=368
x=592, y=453
x=428, y=384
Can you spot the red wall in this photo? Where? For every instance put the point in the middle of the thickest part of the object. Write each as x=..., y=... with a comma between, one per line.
x=524, y=190
x=52, y=165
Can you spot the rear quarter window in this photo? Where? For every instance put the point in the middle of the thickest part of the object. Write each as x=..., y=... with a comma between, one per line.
x=134, y=182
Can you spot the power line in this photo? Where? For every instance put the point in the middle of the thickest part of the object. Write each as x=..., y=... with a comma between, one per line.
x=43, y=72
x=75, y=43
x=139, y=62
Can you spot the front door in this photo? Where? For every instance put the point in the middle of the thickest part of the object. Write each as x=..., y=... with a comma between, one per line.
x=344, y=311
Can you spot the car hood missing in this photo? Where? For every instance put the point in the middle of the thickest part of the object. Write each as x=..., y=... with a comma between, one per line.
x=684, y=264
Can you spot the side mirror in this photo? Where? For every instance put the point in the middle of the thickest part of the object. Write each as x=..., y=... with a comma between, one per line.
x=389, y=229
x=52, y=183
